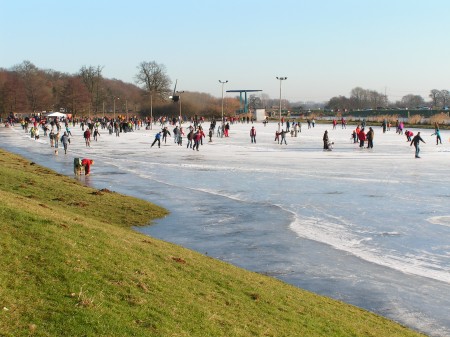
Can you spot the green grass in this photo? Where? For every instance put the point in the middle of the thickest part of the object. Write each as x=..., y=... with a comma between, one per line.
x=71, y=266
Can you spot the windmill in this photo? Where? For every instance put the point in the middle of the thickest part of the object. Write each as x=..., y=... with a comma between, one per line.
x=174, y=97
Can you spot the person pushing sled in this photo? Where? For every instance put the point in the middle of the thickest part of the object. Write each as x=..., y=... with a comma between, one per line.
x=82, y=165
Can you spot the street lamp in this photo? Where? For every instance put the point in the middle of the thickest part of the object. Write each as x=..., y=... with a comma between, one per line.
x=150, y=93
x=180, y=92
x=114, y=109
x=280, y=79
x=151, y=110
x=223, y=83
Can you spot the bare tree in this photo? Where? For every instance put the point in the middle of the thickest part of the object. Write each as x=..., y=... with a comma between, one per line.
x=444, y=97
x=91, y=78
x=340, y=103
x=153, y=78
x=12, y=93
x=29, y=75
x=255, y=102
x=358, y=96
x=75, y=96
x=375, y=99
x=412, y=101
x=434, y=95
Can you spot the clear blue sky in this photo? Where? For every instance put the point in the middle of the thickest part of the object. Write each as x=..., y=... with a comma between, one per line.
x=324, y=47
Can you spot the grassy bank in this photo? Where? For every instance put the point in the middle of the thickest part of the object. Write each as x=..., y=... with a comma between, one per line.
x=71, y=266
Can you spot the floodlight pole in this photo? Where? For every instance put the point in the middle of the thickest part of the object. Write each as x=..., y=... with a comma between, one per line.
x=280, y=79
x=151, y=110
x=223, y=83
x=180, y=92
x=114, y=110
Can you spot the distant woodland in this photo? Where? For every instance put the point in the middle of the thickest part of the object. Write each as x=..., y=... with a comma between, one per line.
x=26, y=89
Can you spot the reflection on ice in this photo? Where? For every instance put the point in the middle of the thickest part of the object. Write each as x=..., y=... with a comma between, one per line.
x=440, y=220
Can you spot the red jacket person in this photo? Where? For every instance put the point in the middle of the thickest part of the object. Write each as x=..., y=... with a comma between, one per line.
x=87, y=165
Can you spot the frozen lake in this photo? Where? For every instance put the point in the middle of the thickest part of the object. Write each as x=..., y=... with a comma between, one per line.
x=368, y=227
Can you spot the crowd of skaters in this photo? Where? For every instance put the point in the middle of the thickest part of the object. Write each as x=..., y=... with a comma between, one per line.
x=58, y=130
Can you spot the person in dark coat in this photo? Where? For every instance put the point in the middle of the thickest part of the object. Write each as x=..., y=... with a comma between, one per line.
x=369, y=137
x=165, y=132
x=326, y=140
x=416, y=140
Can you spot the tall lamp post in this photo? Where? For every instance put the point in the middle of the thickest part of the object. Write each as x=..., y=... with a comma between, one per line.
x=280, y=79
x=180, y=92
x=223, y=83
x=114, y=109
x=151, y=110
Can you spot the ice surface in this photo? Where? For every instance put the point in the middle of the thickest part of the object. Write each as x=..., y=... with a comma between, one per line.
x=369, y=227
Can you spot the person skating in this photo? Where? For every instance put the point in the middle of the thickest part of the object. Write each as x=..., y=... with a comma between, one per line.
x=354, y=137
x=409, y=135
x=180, y=137
x=87, y=137
x=277, y=137
x=165, y=132
x=157, y=139
x=227, y=129
x=56, y=138
x=384, y=126
x=202, y=134
x=326, y=140
x=297, y=129
x=52, y=138
x=190, y=138
x=361, y=137
x=253, y=134
x=416, y=141
x=175, y=134
x=283, y=137
x=197, y=138
x=96, y=134
x=65, y=140
x=369, y=137
x=438, y=136
x=210, y=134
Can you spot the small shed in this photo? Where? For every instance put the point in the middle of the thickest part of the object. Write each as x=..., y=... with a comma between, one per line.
x=56, y=114
x=259, y=115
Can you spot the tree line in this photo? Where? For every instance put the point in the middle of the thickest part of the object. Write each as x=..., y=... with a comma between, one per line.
x=26, y=89
x=361, y=99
